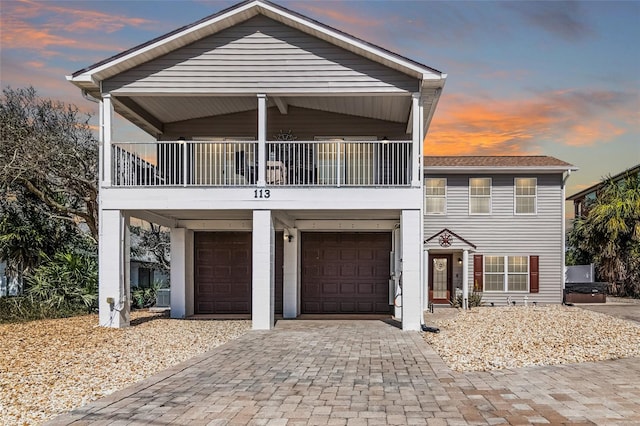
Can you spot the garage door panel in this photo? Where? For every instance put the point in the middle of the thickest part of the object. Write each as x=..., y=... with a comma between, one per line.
x=330, y=271
x=356, y=264
x=348, y=254
x=349, y=270
x=366, y=308
x=348, y=307
x=222, y=272
x=366, y=289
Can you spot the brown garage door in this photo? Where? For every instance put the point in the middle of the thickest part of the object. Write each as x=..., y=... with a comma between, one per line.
x=345, y=273
x=222, y=272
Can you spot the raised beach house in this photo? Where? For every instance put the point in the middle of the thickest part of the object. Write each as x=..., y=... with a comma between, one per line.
x=288, y=165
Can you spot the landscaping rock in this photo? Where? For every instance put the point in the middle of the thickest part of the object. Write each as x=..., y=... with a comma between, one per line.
x=52, y=366
x=484, y=339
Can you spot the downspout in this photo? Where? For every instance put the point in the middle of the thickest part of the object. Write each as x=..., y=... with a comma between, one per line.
x=423, y=269
x=564, y=232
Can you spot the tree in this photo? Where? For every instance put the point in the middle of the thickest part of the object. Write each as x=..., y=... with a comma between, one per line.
x=48, y=150
x=610, y=236
x=152, y=240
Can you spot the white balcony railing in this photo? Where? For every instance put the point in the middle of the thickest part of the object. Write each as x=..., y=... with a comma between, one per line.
x=233, y=163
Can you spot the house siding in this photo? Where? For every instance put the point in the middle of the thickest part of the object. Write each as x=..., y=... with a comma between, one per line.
x=261, y=56
x=505, y=233
x=305, y=124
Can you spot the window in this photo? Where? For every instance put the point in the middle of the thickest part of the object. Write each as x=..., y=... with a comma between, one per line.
x=436, y=200
x=494, y=273
x=479, y=195
x=514, y=278
x=525, y=195
x=518, y=273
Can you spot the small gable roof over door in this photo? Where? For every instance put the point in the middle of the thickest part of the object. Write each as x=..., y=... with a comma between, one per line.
x=447, y=239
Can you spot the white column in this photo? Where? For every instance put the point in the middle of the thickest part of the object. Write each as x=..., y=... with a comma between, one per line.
x=290, y=308
x=397, y=274
x=107, y=122
x=189, y=278
x=178, y=273
x=416, y=179
x=263, y=281
x=411, y=261
x=113, y=258
x=425, y=278
x=262, y=139
x=465, y=279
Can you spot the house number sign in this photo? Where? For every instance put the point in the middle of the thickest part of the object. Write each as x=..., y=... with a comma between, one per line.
x=261, y=193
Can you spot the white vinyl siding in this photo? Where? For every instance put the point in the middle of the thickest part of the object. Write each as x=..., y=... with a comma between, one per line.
x=479, y=195
x=525, y=195
x=436, y=196
x=261, y=55
x=513, y=278
x=502, y=232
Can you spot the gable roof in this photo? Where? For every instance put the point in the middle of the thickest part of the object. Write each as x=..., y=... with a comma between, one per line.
x=89, y=78
x=450, y=234
x=457, y=164
x=635, y=170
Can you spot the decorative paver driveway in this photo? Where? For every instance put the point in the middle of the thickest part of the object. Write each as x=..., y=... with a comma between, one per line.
x=363, y=373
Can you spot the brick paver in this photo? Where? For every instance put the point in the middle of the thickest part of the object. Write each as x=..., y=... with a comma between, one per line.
x=363, y=373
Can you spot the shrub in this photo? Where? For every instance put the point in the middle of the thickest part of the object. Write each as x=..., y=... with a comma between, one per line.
x=475, y=300
x=21, y=308
x=144, y=297
x=68, y=282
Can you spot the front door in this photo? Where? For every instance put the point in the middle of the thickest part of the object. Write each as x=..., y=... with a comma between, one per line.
x=440, y=279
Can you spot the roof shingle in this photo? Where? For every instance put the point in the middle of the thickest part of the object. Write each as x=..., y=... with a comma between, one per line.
x=529, y=161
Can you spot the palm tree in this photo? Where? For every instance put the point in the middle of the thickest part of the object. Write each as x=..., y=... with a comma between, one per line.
x=610, y=235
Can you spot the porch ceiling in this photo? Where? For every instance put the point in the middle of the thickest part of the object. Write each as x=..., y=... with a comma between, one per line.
x=150, y=113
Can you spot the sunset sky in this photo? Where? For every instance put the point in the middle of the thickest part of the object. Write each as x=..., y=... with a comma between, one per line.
x=553, y=78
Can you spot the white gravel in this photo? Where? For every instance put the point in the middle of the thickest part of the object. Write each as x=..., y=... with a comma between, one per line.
x=494, y=338
x=53, y=366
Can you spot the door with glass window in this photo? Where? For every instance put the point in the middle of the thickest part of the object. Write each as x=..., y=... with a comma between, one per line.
x=440, y=282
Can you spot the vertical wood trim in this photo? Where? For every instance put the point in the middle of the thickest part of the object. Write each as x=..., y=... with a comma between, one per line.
x=478, y=284
x=262, y=139
x=107, y=116
x=534, y=276
x=415, y=154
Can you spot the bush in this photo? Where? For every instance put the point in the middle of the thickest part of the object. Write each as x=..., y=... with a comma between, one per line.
x=68, y=282
x=475, y=300
x=144, y=297
x=20, y=309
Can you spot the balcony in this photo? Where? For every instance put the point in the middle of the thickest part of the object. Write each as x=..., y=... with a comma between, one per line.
x=287, y=164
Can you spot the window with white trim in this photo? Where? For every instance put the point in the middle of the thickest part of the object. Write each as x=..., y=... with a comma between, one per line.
x=493, y=273
x=479, y=195
x=518, y=273
x=514, y=278
x=435, y=196
x=525, y=195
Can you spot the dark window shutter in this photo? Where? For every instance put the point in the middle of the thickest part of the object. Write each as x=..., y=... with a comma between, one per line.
x=534, y=281
x=477, y=272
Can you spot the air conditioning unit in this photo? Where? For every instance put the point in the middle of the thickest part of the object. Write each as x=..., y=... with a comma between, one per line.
x=163, y=298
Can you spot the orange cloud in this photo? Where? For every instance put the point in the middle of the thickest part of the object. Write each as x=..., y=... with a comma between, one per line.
x=348, y=18
x=468, y=126
x=19, y=31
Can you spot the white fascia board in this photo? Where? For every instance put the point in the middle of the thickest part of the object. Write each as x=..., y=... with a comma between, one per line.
x=282, y=16
x=164, y=41
x=495, y=170
x=420, y=71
